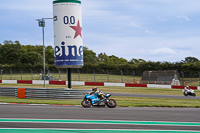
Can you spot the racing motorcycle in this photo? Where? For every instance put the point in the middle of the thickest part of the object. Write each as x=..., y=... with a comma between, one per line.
x=189, y=92
x=94, y=100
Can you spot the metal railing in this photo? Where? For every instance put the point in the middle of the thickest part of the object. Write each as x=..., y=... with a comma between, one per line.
x=77, y=75
x=122, y=76
x=40, y=93
x=8, y=91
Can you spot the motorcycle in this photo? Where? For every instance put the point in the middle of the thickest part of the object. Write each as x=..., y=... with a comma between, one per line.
x=94, y=100
x=187, y=92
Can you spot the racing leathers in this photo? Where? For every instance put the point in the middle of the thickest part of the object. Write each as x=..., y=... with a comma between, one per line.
x=99, y=93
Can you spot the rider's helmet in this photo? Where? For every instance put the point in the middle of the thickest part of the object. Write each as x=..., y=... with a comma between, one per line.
x=187, y=87
x=95, y=89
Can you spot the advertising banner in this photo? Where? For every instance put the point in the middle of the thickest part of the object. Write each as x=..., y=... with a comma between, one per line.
x=68, y=52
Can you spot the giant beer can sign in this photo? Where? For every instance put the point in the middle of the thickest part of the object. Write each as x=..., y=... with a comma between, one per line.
x=68, y=52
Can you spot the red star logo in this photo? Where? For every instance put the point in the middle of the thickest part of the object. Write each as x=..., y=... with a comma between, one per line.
x=78, y=30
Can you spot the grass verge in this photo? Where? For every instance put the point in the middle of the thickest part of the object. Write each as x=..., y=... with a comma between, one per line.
x=38, y=101
x=156, y=102
x=121, y=101
x=111, y=89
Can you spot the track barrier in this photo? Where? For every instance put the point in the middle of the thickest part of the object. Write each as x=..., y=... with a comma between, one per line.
x=21, y=93
x=42, y=93
x=94, y=84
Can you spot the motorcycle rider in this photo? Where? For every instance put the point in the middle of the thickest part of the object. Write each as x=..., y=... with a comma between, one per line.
x=99, y=93
x=188, y=91
x=187, y=88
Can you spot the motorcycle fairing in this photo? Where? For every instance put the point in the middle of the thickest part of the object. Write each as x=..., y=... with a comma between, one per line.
x=94, y=98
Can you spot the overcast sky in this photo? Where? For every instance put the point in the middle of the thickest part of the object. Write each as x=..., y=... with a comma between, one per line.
x=153, y=30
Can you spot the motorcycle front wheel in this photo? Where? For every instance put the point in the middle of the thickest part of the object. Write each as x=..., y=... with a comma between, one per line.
x=185, y=94
x=111, y=103
x=194, y=94
x=86, y=103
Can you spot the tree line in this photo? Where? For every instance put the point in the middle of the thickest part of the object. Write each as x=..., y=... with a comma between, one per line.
x=15, y=56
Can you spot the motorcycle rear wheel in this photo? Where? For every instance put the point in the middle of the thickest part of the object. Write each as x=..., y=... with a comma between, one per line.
x=86, y=103
x=194, y=95
x=112, y=103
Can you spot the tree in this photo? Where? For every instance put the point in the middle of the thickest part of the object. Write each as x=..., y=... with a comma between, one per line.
x=115, y=60
x=31, y=58
x=136, y=61
x=1, y=55
x=13, y=55
x=49, y=55
x=190, y=59
x=102, y=57
x=89, y=56
x=10, y=52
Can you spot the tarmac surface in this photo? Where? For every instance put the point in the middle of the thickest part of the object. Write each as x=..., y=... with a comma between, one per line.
x=143, y=119
x=155, y=96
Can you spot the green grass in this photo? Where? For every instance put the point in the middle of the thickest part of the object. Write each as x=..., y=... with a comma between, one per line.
x=156, y=102
x=111, y=89
x=122, y=101
x=75, y=77
x=138, y=90
x=89, y=77
x=191, y=81
x=38, y=101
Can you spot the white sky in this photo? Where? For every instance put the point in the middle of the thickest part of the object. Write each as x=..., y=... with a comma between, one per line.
x=153, y=30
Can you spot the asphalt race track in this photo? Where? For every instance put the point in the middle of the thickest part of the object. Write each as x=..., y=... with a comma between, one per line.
x=19, y=118
x=155, y=96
